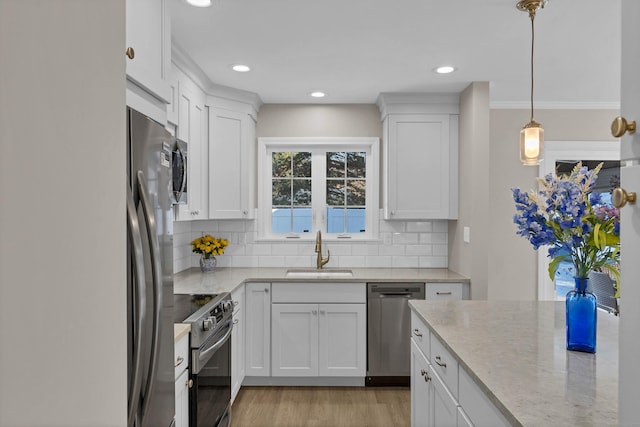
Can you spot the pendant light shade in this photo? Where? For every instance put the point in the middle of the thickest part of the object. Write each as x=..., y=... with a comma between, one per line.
x=531, y=144
x=532, y=134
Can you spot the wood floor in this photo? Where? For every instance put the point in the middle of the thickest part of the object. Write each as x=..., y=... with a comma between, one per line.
x=322, y=406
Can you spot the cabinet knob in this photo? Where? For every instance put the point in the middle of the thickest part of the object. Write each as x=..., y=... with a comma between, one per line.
x=266, y=290
x=619, y=126
x=314, y=312
x=244, y=212
x=620, y=197
x=189, y=383
x=130, y=52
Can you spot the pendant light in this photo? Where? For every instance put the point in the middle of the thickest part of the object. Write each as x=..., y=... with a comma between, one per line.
x=532, y=134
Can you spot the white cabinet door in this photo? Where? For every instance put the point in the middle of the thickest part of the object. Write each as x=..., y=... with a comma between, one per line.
x=192, y=128
x=419, y=166
x=257, y=329
x=445, y=407
x=342, y=340
x=630, y=220
x=148, y=34
x=294, y=336
x=231, y=164
x=182, y=400
x=237, y=342
x=421, y=389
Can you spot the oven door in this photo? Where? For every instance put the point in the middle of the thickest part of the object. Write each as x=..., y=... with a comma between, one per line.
x=211, y=374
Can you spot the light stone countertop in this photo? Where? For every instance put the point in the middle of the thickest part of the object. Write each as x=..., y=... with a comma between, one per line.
x=227, y=279
x=180, y=330
x=515, y=352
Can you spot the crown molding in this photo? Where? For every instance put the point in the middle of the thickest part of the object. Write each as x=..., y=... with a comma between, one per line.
x=187, y=65
x=416, y=103
x=526, y=105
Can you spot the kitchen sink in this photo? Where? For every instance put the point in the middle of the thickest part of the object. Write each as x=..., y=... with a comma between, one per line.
x=315, y=273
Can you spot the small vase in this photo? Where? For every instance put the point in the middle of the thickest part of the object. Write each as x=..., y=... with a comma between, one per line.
x=208, y=264
x=582, y=317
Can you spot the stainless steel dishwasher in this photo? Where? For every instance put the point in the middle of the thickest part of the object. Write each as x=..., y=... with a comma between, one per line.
x=389, y=332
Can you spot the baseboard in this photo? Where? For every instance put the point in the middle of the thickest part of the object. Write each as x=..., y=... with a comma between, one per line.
x=305, y=381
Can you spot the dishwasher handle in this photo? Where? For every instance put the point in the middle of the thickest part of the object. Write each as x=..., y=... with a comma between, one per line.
x=395, y=294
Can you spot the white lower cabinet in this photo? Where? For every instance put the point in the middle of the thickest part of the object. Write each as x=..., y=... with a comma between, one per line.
x=319, y=330
x=182, y=384
x=442, y=393
x=326, y=340
x=182, y=400
x=237, y=342
x=257, y=329
x=421, y=389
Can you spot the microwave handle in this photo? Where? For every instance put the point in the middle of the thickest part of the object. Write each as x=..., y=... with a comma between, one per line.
x=183, y=183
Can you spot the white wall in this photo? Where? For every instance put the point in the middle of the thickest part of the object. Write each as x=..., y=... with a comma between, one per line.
x=471, y=259
x=512, y=261
x=62, y=222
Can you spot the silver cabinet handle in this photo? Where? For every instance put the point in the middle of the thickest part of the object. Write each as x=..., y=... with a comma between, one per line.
x=417, y=333
x=179, y=361
x=425, y=374
x=443, y=293
x=314, y=312
x=322, y=312
x=235, y=321
x=439, y=362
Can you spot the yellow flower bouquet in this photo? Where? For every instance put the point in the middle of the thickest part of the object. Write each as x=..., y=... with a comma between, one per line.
x=209, y=246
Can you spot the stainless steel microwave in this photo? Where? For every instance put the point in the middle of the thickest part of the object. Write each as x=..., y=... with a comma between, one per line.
x=179, y=162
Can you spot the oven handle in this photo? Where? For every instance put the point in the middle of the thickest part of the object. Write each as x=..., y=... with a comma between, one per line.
x=206, y=354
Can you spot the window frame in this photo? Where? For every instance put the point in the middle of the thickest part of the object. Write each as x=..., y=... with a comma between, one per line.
x=318, y=146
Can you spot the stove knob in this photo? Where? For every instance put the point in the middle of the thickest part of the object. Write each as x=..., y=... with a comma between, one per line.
x=208, y=323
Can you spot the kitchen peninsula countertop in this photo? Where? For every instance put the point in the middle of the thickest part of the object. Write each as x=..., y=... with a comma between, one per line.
x=515, y=352
x=227, y=279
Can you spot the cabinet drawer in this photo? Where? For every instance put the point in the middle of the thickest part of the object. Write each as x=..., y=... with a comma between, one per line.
x=444, y=365
x=443, y=291
x=313, y=292
x=181, y=355
x=478, y=408
x=420, y=334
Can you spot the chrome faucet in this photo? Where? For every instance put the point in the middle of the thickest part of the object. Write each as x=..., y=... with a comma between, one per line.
x=321, y=261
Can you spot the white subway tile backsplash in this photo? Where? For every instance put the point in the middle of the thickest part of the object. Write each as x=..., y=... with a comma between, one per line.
x=405, y=262
x=405, y=239
x=441, y=226
x=419, y=227
x=401, y=244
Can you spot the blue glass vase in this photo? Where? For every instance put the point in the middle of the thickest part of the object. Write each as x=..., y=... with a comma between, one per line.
x=582, y=317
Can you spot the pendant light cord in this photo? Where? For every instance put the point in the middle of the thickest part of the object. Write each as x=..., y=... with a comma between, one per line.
x=532, y=14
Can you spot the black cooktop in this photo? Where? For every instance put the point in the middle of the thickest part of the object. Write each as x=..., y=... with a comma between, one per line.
x=184, y=305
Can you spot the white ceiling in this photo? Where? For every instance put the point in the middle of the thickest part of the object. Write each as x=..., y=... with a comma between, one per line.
x=356, y=49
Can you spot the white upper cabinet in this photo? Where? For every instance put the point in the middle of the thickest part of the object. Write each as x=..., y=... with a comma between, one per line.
x=149, y=42
x=192, y=123
x=232, y=165
x=420, y=156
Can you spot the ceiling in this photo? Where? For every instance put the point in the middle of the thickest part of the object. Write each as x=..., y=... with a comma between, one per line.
x=356, y=49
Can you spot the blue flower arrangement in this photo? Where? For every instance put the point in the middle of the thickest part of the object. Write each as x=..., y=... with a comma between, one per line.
x=574, y=222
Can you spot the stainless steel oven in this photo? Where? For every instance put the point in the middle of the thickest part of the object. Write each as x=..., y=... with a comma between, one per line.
x=210, y=357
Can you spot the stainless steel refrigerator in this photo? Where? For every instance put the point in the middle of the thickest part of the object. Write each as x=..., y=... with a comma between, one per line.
x=150, y=280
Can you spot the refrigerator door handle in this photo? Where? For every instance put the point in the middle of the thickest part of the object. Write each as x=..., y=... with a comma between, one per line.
x=139, y=306
x=157, y=286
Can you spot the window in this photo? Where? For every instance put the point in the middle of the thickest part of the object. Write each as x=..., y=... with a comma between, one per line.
x=311, y=184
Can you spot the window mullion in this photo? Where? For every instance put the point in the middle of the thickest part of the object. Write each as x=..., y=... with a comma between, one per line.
x=319, y=189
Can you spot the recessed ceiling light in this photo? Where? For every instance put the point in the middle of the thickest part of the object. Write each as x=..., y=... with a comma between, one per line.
x=199, y=3
x=318, y=94
x=241, y=68
x=445, y=69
